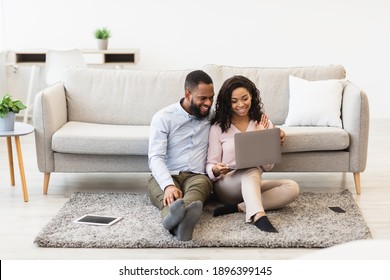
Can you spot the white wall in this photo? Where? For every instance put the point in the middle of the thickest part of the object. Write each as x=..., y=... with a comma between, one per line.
x=3, y=77
x=174, y=34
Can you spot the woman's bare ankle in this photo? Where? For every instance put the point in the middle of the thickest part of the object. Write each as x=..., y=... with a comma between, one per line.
x=258, y=215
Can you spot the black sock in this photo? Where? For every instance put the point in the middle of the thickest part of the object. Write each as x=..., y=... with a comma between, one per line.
x=224, y=210
x=264, y=224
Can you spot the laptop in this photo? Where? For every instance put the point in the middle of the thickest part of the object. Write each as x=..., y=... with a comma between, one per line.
x=256, y=148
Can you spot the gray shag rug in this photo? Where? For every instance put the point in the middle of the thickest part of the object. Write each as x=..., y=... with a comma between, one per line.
x=308, y=222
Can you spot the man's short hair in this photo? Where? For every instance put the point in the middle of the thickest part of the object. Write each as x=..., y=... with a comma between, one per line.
x=195, y=78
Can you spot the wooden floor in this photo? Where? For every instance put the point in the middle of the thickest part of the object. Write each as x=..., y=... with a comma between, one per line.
x=21, y=222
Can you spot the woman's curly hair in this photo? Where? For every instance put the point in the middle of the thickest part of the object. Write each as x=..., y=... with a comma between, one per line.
x=223, y=107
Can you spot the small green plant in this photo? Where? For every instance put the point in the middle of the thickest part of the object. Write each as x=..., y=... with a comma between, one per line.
x=7, y=104
x=102, y=33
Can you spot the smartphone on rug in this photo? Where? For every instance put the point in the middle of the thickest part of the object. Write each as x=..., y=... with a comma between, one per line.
x=337, y=209
x=97, y=220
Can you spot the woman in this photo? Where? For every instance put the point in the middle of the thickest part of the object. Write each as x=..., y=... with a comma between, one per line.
x=239, y=109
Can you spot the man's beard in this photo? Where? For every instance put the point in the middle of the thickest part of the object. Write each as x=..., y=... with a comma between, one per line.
x=196, y=111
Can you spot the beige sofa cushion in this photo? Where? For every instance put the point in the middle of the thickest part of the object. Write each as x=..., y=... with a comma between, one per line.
x=101, y=139
x=124, y=97
x=273, y=83
x=308, y=139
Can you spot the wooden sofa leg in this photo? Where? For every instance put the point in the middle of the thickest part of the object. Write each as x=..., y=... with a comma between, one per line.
x=46, y=183
x=356, y=177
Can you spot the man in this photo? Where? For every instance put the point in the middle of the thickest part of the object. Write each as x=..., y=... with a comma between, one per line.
x=178, y=145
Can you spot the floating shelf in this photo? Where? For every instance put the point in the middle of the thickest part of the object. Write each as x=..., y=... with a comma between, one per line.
x=91, y=56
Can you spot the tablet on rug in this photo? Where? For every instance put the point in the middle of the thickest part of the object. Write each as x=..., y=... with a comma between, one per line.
x=97, y=220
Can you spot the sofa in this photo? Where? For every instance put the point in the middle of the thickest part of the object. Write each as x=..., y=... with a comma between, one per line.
x=97, y=120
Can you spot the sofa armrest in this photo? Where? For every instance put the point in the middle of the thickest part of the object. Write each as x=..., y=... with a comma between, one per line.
x=50, y=113
x=355, y=116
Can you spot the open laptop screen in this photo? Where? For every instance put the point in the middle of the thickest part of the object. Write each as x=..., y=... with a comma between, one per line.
x=256, y=148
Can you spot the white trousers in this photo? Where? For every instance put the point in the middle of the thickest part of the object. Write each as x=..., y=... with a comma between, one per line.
x=246, y=189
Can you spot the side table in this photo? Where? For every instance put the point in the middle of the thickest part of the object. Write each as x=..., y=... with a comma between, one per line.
x=20, y=130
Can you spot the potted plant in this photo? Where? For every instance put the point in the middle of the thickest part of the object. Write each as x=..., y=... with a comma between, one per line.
x=102, y=35
x=8, y=108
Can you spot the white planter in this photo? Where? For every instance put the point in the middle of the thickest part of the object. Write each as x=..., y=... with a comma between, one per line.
x=8, y=122
x=102, y=44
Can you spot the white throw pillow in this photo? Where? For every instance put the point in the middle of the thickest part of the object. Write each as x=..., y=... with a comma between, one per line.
x=314, y=103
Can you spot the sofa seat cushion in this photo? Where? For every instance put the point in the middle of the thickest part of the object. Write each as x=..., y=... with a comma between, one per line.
x=306, y=139
x=101, y=139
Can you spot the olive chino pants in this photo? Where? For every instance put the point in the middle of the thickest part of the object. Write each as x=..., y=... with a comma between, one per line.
x=194, y=187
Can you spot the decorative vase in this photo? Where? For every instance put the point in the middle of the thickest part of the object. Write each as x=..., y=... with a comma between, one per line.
x=8, y=122
x=102, y=44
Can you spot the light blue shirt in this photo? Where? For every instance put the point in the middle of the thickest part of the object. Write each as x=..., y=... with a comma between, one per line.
x=177, y=142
